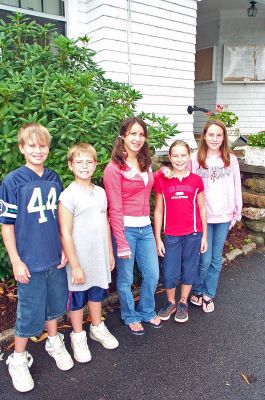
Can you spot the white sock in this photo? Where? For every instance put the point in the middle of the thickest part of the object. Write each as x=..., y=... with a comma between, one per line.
x=79, y=334
x=96, y=326
x=52, y=339
x=21, y=354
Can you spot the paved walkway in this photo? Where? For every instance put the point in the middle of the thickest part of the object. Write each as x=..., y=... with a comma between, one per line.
x=202, y=359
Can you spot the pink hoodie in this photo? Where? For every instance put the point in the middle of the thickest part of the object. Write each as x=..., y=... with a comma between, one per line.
x=222, y=188
x=127, y=195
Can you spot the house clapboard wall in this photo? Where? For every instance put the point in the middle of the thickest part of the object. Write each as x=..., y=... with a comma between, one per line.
x=231, y=27
x=150, y=45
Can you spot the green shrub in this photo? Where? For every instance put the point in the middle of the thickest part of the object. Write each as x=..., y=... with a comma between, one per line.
x=257, y=139
x=50, y=79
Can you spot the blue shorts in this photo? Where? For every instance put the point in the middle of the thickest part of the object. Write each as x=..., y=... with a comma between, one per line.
x=44, y=298
x=181, y=260
x=78, y=299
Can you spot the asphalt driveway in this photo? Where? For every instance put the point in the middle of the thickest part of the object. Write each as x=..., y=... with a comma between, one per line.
x=202, y=359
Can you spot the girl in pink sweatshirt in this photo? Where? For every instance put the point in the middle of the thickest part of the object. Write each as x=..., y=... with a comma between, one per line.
x=128, y=181
x=219, y=170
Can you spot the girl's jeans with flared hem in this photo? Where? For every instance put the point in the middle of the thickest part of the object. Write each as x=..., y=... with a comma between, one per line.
x=143, y=248
x=211, y=262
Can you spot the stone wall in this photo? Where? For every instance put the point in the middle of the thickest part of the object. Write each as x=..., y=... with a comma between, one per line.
x=253, y=188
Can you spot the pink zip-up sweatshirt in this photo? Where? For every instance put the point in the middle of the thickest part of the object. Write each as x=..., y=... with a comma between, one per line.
x=222, y=188
x=127, y=195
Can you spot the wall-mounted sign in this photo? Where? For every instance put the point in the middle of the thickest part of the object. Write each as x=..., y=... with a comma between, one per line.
x=244, y=64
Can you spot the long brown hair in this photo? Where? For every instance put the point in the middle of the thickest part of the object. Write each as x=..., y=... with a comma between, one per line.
x=202, y=151
x=119, y=153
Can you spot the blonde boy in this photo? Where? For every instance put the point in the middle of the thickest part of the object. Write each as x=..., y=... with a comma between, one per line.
x=87, y=244
x=28, y=197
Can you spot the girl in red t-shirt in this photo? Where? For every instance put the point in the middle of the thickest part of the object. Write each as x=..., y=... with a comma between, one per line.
x=180, y=204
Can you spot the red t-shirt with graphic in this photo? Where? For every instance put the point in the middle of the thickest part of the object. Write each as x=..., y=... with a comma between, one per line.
x=181, y=210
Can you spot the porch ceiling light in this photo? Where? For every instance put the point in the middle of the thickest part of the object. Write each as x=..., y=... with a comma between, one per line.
x=252, y=10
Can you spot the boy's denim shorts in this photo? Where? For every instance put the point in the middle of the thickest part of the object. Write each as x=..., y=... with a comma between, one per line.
x=44, y=298
x=181, y=260
x=78, y=299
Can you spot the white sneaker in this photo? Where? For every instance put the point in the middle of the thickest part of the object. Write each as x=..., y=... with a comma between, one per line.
x=80, y=347
x=18, y=368
x=58, y=351
x=103, y=335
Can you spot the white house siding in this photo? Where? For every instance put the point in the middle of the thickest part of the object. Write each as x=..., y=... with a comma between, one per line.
x=205, y=92
x=150, y=45
x=246, y=100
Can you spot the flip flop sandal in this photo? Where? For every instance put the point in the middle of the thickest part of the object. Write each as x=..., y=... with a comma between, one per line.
x=139, y=332
x=208, y=305
x=196, y=299
x=155, y=326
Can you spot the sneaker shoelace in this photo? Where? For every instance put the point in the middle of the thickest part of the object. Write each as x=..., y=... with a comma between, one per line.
x=26, y=365
x=60, y=348
x=182, y=307
x=166, y=306
x=81, y=344
x=104, y=330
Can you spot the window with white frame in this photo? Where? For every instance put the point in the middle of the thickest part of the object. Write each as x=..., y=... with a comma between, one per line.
x=54, y=7
x=41, y=11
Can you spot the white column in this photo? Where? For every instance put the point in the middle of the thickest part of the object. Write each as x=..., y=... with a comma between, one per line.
x=72, y=18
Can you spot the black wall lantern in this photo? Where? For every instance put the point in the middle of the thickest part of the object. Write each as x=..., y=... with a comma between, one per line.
x=252, y=10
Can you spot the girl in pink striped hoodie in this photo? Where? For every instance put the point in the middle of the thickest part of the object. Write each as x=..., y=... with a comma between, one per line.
x=219, y=170
x=128, y=181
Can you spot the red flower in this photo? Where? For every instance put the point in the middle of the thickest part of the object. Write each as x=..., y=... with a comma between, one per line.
x=219, y=108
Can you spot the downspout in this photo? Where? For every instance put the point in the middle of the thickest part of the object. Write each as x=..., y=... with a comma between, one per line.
x=129, y=38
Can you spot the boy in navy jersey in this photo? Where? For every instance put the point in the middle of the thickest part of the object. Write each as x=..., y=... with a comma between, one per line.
x=28, y=204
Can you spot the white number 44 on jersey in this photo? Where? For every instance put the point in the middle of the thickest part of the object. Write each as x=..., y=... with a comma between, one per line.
x=36, y=203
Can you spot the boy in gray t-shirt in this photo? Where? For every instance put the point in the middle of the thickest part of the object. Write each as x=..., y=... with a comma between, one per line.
x=87, y=244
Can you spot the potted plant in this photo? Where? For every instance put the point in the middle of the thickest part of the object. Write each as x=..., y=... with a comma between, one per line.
x=229, y=118
x=255, y=150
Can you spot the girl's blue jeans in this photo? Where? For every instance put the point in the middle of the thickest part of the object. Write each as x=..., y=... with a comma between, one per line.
x=143, y=248
x=211, y=262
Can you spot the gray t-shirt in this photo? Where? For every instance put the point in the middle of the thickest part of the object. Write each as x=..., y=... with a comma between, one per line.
x=90, y=234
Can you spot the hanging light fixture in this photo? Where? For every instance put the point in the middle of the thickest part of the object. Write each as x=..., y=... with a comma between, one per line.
x=252, y=10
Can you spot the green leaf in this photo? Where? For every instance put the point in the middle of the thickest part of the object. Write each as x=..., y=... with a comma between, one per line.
x=53, y=80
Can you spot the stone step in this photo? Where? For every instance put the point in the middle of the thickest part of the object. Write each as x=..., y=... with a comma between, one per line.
x=239, y=152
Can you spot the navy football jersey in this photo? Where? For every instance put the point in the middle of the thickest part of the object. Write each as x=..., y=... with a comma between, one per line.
x=29, y=201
